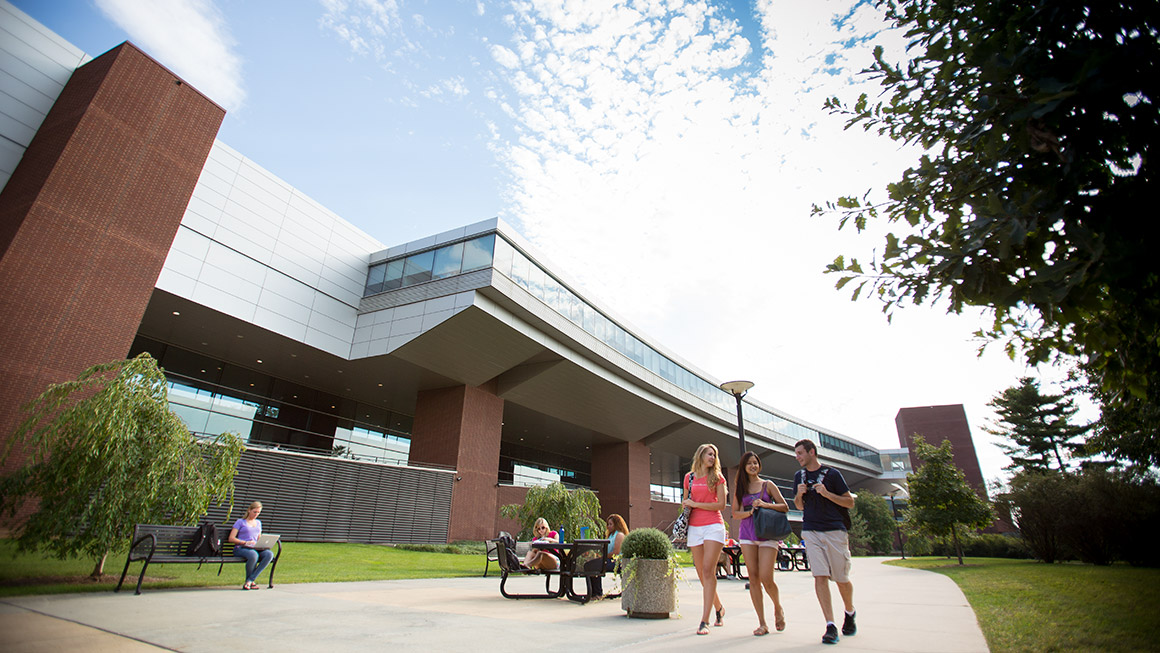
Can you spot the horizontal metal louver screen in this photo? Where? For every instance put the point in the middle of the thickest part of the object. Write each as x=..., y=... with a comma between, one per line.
x=309, y=498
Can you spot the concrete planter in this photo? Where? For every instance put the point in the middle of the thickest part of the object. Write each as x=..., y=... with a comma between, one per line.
x=650, y=592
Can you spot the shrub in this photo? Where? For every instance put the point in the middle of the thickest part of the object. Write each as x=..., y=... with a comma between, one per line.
x=648, y=543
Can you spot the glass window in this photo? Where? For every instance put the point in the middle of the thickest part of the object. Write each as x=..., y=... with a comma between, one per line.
x=375, y=278
x=418, y=268
x=394, y=275
x=477, y=252
x=520, y=270
x=448, y=261
x=535, y=280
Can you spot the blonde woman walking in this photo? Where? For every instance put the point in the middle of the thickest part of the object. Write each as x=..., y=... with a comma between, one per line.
x=705, y=493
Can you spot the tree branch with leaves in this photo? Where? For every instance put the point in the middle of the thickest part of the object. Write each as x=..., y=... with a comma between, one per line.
x=1037, y=120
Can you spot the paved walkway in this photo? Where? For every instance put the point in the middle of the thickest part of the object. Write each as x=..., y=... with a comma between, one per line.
x=898, y=610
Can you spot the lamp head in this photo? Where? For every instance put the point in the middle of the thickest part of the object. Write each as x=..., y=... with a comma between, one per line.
x=736, y=387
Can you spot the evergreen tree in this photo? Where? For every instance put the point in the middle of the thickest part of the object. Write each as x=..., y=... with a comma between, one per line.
x=1038, y=426
x=942, y=503
x=105, y=452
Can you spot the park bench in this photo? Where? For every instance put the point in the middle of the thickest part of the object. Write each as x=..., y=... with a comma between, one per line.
x=168, y=545
x=522, y=549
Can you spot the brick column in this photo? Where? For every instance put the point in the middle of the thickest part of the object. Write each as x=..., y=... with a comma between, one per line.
x=460, y=427
x=620, y=475
x=88, y=217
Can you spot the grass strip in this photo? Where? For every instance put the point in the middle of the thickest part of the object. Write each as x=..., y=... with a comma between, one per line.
x=1025, y=605
x=301, y=562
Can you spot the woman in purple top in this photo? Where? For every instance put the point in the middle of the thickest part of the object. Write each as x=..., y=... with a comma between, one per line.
x=760, y=555
x=244, y=535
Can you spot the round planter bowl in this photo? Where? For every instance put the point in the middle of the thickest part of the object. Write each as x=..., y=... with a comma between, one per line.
x=652, y=593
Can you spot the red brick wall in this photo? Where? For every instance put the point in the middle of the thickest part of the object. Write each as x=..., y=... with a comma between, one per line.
x=938, y=423
x=88, y=217
x=460, y=427
x=620, y=474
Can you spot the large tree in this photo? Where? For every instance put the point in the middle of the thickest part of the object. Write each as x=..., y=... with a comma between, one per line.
x=1038, y=120
x=104, y=452
x=942, y=503
x=875, y=535
x=1038, y=427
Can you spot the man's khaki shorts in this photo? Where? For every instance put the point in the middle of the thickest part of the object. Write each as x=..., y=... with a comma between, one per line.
x=829, y=554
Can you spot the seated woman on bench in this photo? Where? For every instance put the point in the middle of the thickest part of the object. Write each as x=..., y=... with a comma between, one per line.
x=244, y=535
x=538, y=558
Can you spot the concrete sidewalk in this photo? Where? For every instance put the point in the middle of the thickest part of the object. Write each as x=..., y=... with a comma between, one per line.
x=898, y=610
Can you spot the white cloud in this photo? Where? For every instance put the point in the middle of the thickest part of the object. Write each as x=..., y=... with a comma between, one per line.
x=190, y=38
x=669, y=165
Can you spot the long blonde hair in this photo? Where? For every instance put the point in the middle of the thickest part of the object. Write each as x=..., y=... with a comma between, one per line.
x=713, y=473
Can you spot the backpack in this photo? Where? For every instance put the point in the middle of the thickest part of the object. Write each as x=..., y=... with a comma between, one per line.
x=842, y=510
x=206, y=542
x=509, y=545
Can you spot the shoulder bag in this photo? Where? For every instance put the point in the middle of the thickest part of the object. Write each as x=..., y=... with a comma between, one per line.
x=681, y=523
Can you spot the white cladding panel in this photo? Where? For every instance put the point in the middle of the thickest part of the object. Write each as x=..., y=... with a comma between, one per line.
x=253, y=247
x=35, y=64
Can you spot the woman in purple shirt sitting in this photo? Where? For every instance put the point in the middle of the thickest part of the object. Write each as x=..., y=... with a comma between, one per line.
x=244, y=535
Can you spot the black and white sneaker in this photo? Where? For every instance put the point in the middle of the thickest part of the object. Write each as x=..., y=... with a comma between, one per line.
x=848, y=626
x=831, y=636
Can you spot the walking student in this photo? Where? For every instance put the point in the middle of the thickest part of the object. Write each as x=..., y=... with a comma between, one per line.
x=705, y=492
x=751, y=492
x=825, y=499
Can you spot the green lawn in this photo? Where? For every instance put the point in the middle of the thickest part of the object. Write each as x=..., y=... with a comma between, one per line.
x=1030, y=606
x=301, y=562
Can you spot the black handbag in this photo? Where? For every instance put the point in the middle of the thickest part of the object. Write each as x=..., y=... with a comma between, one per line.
x=770, y=524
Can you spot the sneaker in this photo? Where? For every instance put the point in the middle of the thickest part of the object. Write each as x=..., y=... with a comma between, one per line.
x=848, y=626
x=831, y=636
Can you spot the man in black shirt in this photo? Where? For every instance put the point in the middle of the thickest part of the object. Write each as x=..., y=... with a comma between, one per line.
x=825, y=501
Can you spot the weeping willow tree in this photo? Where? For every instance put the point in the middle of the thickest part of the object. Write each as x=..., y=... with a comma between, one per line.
x=104, y=452
x=570, y=510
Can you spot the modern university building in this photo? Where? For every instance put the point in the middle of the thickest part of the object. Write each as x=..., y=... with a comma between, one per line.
x=386, y=393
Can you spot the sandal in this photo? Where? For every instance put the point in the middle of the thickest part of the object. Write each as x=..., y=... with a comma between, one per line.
x=779, y=619
x=703, y=629
x=761, y=630
x=720, y=618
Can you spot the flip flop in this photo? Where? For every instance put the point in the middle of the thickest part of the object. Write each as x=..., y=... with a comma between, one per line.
x=761, y=630
x=720, y=618
x=779, y=620
x=703, y=629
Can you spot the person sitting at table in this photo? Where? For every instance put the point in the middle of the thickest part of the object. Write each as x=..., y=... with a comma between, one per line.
x=725, y=561
x=539, y=558
x=617, y=529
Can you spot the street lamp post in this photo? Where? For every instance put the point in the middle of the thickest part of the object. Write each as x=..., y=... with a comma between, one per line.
x=894, y=511
x=738, y=390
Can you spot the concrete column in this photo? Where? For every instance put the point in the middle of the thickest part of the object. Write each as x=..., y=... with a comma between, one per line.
x=460, y=427
x=620, y=476
x=88, y=217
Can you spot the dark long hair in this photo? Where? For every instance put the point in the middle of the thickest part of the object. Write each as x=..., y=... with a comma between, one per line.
x=742, y=484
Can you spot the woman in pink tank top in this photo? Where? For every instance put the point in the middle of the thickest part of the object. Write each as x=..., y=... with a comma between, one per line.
x=705, y=493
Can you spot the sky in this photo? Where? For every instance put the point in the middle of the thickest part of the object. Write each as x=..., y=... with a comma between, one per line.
x=664, y=154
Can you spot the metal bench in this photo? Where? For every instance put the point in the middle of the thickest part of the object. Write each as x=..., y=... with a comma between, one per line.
x=168, y=545
x=506, y=571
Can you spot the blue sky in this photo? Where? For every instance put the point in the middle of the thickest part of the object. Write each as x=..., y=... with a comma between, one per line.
x=664, y=154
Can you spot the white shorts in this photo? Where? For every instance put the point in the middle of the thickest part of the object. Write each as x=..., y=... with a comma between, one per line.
x=829, y=554
x=765, y=544
x=698, y=535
